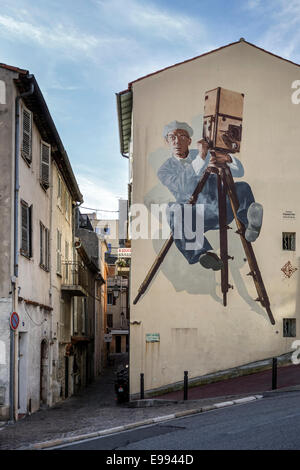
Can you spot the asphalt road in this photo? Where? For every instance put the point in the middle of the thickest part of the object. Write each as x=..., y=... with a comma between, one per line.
x=270, y=423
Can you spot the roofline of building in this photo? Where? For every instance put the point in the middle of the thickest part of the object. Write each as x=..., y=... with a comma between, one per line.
x=24, y=80
x=204, y=54
x=14, y=69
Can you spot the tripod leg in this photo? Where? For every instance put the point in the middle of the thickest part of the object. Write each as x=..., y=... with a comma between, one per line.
x=159, y=259
x=254, y=269
x=223, y=236
x=167, y=245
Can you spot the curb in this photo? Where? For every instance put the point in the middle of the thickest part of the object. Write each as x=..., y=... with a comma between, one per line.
x=126, y=427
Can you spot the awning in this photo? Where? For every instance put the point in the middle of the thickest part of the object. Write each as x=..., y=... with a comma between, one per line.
x=124, y=106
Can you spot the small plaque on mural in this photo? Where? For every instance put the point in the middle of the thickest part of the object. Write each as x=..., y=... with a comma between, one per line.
x=152, y=337
x=289, y=215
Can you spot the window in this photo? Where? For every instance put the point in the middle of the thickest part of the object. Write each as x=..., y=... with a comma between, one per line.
x=289, y=327
x=26, y=230
x=109, y=320
x=111, y=299
x=58, y=252
x=75, y=316
x=44, y=247
x=26, y=148
x=45, y=165
x=68, y=205
x=84, y=316
x=59, y=190
x=289, y=241
x=67, y=259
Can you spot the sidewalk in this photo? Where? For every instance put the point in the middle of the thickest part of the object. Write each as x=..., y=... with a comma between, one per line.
x=95, y=409
x=259, y=382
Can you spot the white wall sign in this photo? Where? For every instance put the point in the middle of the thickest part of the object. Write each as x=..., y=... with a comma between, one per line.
x=124, y=252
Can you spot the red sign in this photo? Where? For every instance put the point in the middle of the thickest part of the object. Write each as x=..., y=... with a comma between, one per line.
x=14, y=320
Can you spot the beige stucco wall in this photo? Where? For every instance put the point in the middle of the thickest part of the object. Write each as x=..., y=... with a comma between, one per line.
x=183, y=302
x=62, y=324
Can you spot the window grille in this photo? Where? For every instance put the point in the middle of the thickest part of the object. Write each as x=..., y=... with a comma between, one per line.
x=289, y=327
x=289, y=241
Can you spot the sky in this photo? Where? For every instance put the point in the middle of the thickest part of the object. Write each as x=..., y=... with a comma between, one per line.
x=83, y=52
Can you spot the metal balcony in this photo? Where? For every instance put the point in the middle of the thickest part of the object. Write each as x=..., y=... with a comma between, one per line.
x=74, y=278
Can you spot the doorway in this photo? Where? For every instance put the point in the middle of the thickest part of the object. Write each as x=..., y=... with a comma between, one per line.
x=22, y=373
x=118, y=344
x=43, y=372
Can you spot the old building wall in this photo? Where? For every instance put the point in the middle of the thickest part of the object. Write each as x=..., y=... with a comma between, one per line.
x=61, y=251
x=183, y=303
x=7, y=115
x=6, y=231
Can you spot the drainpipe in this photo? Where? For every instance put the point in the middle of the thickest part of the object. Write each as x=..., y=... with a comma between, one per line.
x=13, y=333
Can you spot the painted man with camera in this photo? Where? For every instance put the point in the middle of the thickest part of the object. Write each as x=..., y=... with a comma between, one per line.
x=180, y=174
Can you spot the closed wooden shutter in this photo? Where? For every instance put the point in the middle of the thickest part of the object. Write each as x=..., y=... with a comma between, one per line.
x=58, y=252
x=26, y=225
x=47, y=249
x=45, y=164
x=24, y=229
x=41, y=244
x=27, y=135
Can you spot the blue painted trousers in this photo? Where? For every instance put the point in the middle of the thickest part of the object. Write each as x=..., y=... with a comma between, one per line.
x=209, y=198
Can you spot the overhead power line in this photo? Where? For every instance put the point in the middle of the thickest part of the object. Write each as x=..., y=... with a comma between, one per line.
x=97, y=210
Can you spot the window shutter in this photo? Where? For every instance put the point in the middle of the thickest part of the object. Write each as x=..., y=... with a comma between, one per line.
x=41, y=244
x=47, y=250
x=30, y=230
x=24, y=229
x=45, y=164
x=27, y=135
x=58, y=251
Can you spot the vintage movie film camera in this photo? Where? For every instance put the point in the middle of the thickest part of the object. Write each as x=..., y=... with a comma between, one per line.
x=223, y=116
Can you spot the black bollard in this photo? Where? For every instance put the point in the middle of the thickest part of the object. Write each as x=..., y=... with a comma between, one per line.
x=142, y=386
x=185, y=385
x=274, y=373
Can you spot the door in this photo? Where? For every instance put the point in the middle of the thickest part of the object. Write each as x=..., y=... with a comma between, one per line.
x=118, y=344
x=22, y=373
x=43, y=372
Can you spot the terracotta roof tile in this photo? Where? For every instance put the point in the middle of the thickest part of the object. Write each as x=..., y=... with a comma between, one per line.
x=13, y=69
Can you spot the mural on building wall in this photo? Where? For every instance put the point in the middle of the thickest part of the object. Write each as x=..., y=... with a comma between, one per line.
x=201, y=180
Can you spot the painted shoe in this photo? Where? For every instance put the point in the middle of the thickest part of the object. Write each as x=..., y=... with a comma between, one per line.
x=255, y=216
x=210, y=260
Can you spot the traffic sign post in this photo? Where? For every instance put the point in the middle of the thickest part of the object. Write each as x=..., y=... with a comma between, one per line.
x=14, y=321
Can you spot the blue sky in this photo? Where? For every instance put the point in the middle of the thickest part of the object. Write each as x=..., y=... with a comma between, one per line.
x=84, y=51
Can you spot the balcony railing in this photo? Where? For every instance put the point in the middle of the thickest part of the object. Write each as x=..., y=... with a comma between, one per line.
x=74, y=278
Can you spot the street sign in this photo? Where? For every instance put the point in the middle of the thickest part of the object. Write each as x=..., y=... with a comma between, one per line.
x=14, y=320
x=107, y=338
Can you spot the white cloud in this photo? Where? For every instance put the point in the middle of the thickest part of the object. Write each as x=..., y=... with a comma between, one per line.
x=56, y=36
x=97, y=196
x=281, y=33
x=152, y=20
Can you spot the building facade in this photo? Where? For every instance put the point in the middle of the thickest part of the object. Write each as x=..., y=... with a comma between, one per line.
x=117, y=313
x=181, y=321
x=39, y=194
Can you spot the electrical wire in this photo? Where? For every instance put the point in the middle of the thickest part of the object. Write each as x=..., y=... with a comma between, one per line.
x=97, y=210
x=37, y=324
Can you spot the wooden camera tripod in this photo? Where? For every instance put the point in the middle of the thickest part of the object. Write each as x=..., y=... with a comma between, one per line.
x=225, y=187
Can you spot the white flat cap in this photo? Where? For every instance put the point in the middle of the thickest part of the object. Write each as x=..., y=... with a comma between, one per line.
x=177, y=125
